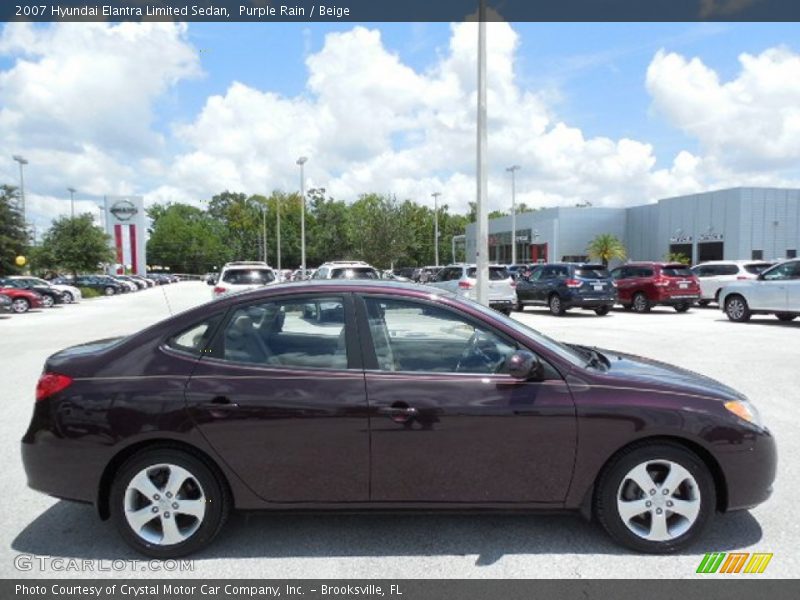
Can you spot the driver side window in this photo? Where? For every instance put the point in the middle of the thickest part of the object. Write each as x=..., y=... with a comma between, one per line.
x=410, y=336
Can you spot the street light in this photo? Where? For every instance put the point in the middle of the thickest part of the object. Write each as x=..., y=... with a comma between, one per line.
x=264, y=229
x=482, y=225
x=278, y=230
x=513, y=169
x=22, y=161
x=72, y=191
x=436, y=226
x=302, y=161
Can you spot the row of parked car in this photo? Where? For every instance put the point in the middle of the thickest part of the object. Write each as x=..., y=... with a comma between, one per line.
x=21, y=293
x=741, y=288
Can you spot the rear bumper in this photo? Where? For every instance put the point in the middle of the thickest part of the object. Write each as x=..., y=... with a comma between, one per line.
x=501, y=304
x=577, y=301
x=678, y=299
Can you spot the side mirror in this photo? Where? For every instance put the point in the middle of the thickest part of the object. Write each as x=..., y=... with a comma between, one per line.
x=524, y=365
x=761, y=277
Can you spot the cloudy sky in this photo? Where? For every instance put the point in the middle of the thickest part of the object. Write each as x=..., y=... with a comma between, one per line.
x=611, y=114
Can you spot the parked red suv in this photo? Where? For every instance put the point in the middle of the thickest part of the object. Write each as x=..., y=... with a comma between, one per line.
x=642, y=285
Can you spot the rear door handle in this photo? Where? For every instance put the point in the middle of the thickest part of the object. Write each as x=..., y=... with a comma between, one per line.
x=220, y=402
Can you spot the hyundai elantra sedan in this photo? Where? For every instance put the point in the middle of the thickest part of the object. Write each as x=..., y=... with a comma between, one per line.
x=359, y=395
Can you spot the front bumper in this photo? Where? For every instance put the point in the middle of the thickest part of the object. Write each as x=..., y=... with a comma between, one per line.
x=750, y=471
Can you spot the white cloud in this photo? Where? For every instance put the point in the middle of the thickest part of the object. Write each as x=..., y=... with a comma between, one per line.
x=750, y=124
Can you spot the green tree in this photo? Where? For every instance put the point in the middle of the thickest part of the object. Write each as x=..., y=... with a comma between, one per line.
x=606, y=247
x=78, y=244
x=13, y=234
x=678, y=257
x=186, y=239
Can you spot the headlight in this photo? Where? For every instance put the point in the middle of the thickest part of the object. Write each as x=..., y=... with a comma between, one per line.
x=745, y=411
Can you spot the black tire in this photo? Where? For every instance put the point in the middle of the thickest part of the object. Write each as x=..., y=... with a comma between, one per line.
x=737, y=309
x=602, y=311
x=785, y=317
x=68, y=299
x=506, y=311
x=609, y=485
x=627, y=307
x=109, y=291
x=214, y=490
x=519, y=306
x=703, y=302
x=640, y=303
x=556, y=305
x=682, y=308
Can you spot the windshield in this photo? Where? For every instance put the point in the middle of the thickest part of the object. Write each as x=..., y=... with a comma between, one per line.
x=564, y=351
x=354, y=273
x=248, y=276
x=756, y=268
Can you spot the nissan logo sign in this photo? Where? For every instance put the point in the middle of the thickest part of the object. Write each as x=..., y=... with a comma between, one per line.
x=123, y=210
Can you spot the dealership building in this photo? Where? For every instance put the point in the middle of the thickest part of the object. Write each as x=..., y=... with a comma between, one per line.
x=737, y=223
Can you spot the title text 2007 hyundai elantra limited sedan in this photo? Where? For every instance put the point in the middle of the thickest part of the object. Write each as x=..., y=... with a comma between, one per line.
x=375, y=395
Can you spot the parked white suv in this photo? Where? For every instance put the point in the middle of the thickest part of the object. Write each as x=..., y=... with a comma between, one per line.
x=776, y=291
x=460, y=279
x=714, y=275
x=240, y=276
x=346, y=269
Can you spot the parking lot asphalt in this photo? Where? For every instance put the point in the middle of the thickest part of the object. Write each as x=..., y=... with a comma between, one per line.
x=761, y=358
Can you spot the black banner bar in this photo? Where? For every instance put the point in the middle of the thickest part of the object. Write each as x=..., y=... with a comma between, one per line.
x=713, y=588
x=268, y=11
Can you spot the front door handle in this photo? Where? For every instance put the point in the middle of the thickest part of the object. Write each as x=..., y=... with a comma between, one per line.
x=399, y=413
x=220, y=402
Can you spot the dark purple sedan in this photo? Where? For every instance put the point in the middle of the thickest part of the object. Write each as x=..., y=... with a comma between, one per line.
x=377, y=395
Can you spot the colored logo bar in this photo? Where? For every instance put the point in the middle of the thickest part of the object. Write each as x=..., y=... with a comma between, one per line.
x=734, y=562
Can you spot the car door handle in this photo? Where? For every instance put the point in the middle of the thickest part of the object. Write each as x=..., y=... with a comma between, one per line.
x=220, y=402
x=399, y=414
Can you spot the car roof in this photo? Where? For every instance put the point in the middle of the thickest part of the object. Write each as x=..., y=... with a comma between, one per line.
x=752, y=261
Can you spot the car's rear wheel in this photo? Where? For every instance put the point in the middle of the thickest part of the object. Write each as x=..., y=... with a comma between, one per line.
x=556, y=305
x=168, y=503
x=20, y=305
x=68, y=298
x=640, y=302
x=47, y=301
x=602, y=311
x=519, y=306
x=109, y=291
x=656, y=497
x=737, y=309
x=682, y=307
x=786, y=317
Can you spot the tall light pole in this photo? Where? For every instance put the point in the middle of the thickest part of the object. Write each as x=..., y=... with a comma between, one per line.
x=436, y=226
x=264, y=229
x=302, y=161
x=72, y=191
x=22, y=161
x=513, y=169
x=278, y=232
x=482, y=226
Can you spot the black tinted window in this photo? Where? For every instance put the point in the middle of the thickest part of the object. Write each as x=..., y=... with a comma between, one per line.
x=495, y=273
x=676, y=271
x=592, y=272
x=756, y=268
x=354, y=273
x=248, y=276
x=288, y=333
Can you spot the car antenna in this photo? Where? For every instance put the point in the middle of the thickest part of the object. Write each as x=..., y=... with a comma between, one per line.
x=166, y=299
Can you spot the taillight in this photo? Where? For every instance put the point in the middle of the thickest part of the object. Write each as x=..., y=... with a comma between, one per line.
x=573, y=283
x=465, y=285
x=661, y=282
x=219, y=290
x=51, y=383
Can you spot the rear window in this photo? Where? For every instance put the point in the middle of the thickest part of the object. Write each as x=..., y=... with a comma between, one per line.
x=354, y=273
x=248, y=276
x=495, y=273
x=676, y=271
x=592, y=272
x=757, y=268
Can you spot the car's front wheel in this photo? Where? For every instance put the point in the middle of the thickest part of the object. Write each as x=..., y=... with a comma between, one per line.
x=602, y=311
x=109, y=291
x=681, y=308
x=68, y=299
x=737, y=309
x=786, y=317
x=656, y=497
x=20, y=305
x=47, y=301
x=168, y=503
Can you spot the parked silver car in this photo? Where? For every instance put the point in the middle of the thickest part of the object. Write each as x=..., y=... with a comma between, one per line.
x=776, y=291
x=460, y=279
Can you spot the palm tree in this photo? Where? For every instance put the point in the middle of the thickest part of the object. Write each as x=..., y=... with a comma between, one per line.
x=606, y=247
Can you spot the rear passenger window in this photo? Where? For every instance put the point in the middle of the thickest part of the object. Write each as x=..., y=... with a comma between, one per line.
x=307, y=333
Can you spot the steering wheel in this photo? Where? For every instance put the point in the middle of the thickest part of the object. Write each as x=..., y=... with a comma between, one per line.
x=473, y=351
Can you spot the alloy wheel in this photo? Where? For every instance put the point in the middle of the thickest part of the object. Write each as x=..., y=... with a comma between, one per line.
x=164, y=504
x=640, y=303
x=736, y=309
x=20, y=305
x=659, y=500
x=47, y=301
x=68, y=298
